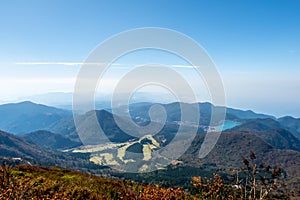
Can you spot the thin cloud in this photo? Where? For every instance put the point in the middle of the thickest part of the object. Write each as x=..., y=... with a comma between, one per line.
x=86, y=63
x=61, y=63
x=185, y=66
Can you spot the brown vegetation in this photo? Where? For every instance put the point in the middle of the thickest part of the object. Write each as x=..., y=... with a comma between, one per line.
x=252, y=182
x=26, y=182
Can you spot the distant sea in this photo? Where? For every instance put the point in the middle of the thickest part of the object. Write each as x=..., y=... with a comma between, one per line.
x=228, y=125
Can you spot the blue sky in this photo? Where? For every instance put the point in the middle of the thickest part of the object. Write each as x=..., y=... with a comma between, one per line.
x=254, y=44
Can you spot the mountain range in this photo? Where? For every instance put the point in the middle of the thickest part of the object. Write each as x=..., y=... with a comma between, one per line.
x=25, y=117
x=47, y=135
x=54, y=128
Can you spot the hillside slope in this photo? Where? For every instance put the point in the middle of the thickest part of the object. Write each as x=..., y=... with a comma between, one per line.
x=291, y=124
x=25, y=117
x=233, y=145
x=271, y=132
x=16, y=148
x=49, y=140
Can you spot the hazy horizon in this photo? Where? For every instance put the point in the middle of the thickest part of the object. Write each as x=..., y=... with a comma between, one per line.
x=64, y=100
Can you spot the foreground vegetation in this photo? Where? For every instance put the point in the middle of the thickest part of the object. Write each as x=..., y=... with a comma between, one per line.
x=28, y=182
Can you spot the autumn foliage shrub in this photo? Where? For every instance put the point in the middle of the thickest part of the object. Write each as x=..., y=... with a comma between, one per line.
x=252, y=181
x=26, y=182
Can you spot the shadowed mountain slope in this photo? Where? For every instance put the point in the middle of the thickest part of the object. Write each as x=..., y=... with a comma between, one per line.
x=24, y=117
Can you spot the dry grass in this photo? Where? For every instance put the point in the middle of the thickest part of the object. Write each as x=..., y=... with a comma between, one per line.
x=252, y=182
